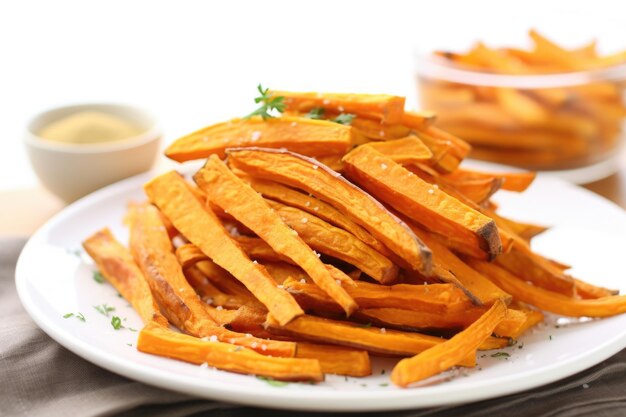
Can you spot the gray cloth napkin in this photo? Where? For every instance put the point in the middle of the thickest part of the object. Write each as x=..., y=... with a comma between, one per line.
x=38, y=377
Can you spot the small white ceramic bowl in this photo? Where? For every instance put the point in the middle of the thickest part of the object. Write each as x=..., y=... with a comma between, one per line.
x=71, y=171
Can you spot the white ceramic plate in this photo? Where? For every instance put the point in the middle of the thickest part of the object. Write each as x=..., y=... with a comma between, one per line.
x=54, y=278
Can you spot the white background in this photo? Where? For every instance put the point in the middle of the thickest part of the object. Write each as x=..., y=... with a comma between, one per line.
x=198, y=62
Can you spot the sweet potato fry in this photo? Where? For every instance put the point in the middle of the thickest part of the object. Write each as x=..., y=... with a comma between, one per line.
x=305, y=173
x=333, y=241
x=407, y=150
x=549, y=300
x=587, y=290
x=281, y=271
x=386, y=108
x=522, y=107
x=372, y=339
x=375, y=130
x=493, y=342
x=514, y=323
x=423, y=203
x=209, y=293
x=525, y=231
x=160, y=341
x=418, y=120
x=449, y=353
x=333, y=162
x=307, y=136
x=229, y=192
x=536, y=269
x=479, y=286
x=337, y=360
x=258, y=249
x=116, y=264
x=551, y=52
x=250, y=320
x=226, y=283
x=434, y=298
x=170, y=193
x=189, y=254
x=479, y=190
x=312, y=205
x=533, y=317
x=512, y=181
x=427, y=175
x=458, y=147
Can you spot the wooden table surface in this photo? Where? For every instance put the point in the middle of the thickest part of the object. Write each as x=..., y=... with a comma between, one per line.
x=23, y=211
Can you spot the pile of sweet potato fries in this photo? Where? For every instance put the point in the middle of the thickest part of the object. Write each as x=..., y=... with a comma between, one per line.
x=555, y=126
x=304, y=245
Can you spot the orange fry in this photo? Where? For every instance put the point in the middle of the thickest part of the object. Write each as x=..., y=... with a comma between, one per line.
x=449, y=353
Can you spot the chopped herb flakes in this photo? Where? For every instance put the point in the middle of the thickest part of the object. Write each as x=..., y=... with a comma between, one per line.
x=104, y=309
x=344, y=119
x=116, y=322
x=97, y=276
x=273, y=382
x=315, y=113
x=500, y=355
x=366, y=325
x=79, y=316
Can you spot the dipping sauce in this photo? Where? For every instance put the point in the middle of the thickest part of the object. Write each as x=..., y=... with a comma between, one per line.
x=87, y=127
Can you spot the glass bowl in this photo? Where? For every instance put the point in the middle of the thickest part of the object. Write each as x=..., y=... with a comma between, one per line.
x=568, y=123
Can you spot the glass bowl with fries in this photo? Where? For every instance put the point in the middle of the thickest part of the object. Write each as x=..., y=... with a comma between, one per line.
x=544, y=108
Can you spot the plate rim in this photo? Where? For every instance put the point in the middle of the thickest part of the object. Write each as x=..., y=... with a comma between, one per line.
x=270, y=397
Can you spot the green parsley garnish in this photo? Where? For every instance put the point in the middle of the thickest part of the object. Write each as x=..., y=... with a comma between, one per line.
x=366, y=325
x=316, y=113
x=273, y=382
x=97, y=276
x=104, y=309
x=500, y=355
x=269, y=104
x=79, y=316
x=384, y=384
x=344, y=119
x=116, y=322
